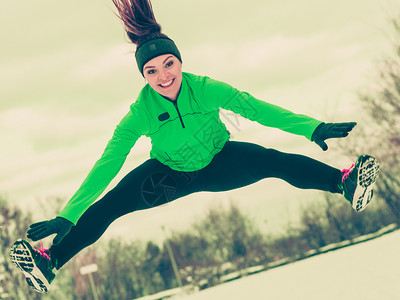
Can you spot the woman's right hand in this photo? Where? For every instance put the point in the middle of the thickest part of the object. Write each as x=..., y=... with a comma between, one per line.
x=58, y=225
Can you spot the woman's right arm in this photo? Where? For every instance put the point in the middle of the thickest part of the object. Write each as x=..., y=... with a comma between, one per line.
x=131, y=127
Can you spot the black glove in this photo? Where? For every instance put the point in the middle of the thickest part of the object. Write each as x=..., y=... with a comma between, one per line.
x=331, y=130
x=40, y=230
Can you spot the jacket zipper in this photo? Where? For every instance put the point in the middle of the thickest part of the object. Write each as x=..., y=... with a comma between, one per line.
x=179, y=114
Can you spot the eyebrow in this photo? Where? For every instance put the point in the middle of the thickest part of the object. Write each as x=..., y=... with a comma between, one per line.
x=163, y=62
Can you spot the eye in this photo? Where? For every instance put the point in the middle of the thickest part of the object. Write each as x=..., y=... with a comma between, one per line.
x=169, y=64
x=151, y=71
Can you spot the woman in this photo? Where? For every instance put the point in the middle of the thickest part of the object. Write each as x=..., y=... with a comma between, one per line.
x=191, y=152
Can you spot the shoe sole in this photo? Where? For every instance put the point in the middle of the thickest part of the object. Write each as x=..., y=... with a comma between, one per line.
x=22, y=258
x=368, y=170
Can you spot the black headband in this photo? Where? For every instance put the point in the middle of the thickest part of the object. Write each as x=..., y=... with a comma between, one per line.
x=153, y=47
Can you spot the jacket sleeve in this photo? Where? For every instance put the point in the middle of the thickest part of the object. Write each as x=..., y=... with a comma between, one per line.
x=219, y=94
x=131, y=127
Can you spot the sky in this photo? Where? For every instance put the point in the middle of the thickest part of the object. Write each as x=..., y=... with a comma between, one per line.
x=68, y=75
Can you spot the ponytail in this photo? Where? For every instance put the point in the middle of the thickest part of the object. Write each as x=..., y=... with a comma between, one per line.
x=144, y=31
x=138, y=19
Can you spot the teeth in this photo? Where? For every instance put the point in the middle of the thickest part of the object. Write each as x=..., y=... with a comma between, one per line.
x=167, y=83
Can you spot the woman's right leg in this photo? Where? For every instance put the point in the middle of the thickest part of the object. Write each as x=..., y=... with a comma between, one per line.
x=150, y=184
x=136, y=191
x=91, y=226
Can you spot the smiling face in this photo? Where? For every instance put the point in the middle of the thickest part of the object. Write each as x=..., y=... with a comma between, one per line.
x=164, y=75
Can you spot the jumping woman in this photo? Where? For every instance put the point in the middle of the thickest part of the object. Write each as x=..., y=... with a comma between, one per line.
x=191, y=152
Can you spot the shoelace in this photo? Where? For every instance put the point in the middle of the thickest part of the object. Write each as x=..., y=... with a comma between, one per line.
x=347, y=172
x=42, y=252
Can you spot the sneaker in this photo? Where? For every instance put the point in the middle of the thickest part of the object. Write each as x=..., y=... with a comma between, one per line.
x=35, y=264
x=358, y=181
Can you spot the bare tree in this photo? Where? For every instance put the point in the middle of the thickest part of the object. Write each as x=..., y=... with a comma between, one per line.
x=382, y=135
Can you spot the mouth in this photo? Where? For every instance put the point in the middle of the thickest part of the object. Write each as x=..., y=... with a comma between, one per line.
x=167, y=84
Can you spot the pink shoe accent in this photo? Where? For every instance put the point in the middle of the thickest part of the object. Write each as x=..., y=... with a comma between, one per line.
x=347, y=172
x=42, y=252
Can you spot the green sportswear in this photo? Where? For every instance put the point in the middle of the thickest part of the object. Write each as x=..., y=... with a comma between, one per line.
x=185, y=134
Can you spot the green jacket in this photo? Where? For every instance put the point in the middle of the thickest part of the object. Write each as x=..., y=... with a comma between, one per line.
x=185, y=134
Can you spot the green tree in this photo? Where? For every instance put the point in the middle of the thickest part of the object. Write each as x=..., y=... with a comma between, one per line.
x=232, y=236
x=119, y=267
x=13, y=225
x=224, y=241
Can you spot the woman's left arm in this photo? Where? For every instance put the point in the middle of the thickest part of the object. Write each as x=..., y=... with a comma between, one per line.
x=267, y=114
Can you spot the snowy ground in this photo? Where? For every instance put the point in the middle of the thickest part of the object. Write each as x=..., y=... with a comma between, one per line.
x=367, y=271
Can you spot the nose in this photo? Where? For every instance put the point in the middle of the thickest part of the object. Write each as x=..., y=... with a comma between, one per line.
x=163, y=75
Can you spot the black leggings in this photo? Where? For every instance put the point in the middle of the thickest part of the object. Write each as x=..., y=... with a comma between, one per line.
x=152, y=184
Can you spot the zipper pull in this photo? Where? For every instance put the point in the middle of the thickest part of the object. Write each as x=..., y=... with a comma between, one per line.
x=179, y=114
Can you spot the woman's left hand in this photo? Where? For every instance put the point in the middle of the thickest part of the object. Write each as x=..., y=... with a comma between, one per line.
x=331, y=130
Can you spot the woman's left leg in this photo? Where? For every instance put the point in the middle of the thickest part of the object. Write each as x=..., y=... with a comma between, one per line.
x=240, y=164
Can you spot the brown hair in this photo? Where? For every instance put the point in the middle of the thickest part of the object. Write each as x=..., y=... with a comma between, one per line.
x=138, y=19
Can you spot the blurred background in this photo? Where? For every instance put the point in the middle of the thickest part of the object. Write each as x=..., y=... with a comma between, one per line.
x=68, y=75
